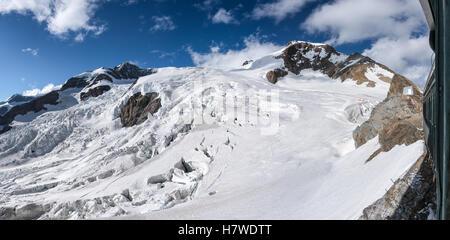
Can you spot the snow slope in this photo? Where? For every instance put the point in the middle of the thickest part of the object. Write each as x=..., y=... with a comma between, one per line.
x=221, y=147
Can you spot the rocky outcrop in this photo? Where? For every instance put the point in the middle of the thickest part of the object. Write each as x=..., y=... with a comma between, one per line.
x=88, y=81
x=94, y=92
x=398, y=85
x=123, y=71
x=399, y=133
x=35, y=105
x=127, y=70
x=274, y=75
x=397, y=120
x=299, y=56
x=412, y=197
x=355, y=68
x=247, y=62
x=100, y=78
x=14, y=100
x=138, y=107
x=75, y=82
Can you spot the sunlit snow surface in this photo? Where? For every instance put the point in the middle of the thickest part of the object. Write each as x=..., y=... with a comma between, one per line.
x=77, y=153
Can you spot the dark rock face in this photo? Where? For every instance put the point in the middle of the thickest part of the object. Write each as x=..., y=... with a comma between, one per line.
x=274, y=75
x=412, y=197
x=295, y=58
x=299, y=56
x=138, y=107
x=14, y=100
x=99, y=78
x=94, y=92
x=3, y=110
x=35, y=105
x=75, y=82
x=129, y=71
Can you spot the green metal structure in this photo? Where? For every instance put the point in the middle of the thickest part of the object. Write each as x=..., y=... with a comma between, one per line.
x=436, y=102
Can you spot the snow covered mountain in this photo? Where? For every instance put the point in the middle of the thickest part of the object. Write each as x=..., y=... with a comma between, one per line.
x=14, y=100
x=304, y=133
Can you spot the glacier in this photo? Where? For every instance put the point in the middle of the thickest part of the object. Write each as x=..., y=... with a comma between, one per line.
x=225, y=144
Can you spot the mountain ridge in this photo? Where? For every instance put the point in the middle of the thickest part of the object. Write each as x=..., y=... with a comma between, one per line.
x=140, y=146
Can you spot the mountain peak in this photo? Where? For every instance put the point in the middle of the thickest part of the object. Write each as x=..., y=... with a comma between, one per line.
x=19, y=98
x=126, y=65
x=128, y=70
x=305, y=43
x=301, y=55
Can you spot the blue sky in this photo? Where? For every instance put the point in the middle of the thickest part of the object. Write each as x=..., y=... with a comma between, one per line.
x=46, y=42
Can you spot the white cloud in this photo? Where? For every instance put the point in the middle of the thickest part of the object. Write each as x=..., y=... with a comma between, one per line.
x=61, y=16
x=162, y=23
x=254, y=49
x=31, y=51
x=79, y=37
x=396, y=27
x=278, y=10
x=207, y=5
x=131, y=2
x=224, y=16
x=37, y=92
x=215, y=49
x=354, y=20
